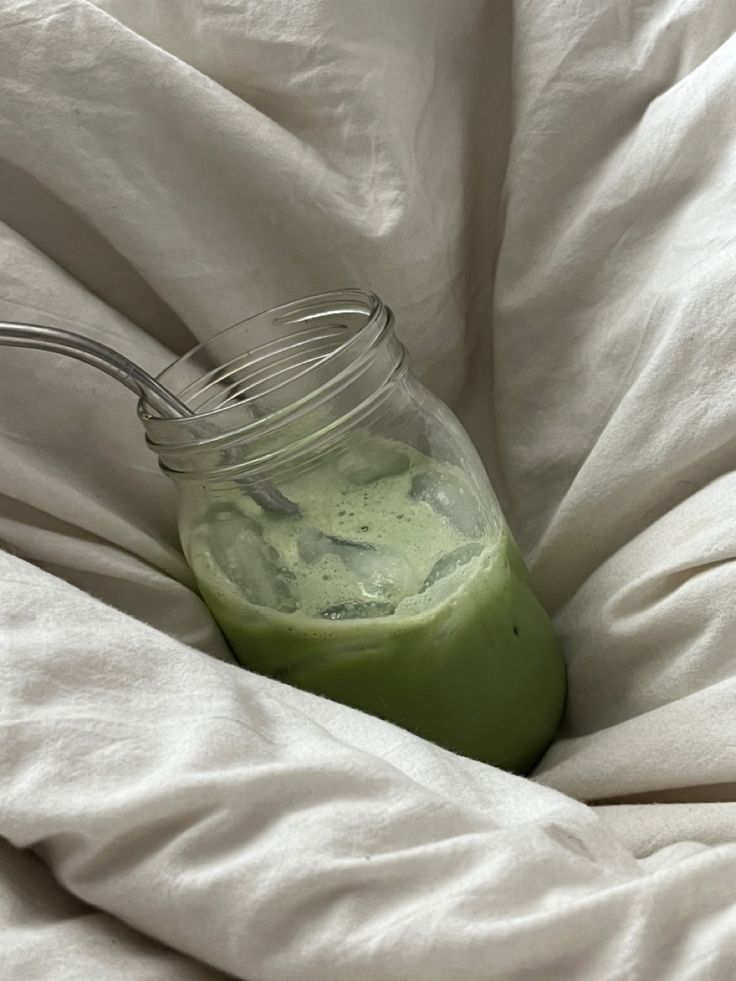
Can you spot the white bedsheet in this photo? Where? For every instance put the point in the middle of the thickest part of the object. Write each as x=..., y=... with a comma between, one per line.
x=545, y=196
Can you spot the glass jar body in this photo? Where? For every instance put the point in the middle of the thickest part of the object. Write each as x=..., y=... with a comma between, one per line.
x=391, y=583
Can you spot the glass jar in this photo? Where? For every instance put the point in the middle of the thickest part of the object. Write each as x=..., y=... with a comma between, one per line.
x=345, y=536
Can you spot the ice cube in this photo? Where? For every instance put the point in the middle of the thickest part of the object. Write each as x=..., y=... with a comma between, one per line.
x=451, y=499
x=377, y=570
x=451, y=562
x=311, y=544
x=372, y=461
x=357, y=610
x=249, y=562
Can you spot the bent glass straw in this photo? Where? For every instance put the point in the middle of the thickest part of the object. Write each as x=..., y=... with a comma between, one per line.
x=66, y=342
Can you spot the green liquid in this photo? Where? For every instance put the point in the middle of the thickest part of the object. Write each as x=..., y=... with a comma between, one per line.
x=466, y=659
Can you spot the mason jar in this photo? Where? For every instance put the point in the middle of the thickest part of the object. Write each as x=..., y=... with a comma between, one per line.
x=343, y=532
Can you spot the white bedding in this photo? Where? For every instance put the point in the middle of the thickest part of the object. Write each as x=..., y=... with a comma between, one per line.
x=545, y=196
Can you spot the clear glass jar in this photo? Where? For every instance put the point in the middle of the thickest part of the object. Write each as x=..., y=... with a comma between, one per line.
x=345, y=536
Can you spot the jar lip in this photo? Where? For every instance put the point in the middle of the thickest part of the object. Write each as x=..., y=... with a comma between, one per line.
x=372, y=307
x=327, y=359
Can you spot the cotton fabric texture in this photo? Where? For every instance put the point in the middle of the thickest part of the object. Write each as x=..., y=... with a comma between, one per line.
x=544, y=193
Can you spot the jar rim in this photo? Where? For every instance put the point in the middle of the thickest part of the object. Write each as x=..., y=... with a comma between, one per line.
x=306, y=354
x=373, y=308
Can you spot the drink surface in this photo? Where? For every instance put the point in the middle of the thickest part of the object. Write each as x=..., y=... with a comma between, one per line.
x=394, y=591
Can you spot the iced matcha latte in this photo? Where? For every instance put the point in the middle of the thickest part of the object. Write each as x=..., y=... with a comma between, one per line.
x=390, y=591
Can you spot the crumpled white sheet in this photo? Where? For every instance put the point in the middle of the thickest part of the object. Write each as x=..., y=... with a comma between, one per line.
x=166, y=169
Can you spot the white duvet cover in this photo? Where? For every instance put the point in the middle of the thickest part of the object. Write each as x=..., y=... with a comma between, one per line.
x=545, y=196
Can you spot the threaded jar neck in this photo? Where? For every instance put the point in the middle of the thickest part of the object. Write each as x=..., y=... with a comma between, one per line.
x=269, y=391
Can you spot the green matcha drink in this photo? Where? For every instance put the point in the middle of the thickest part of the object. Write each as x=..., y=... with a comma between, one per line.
x=392, y=592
